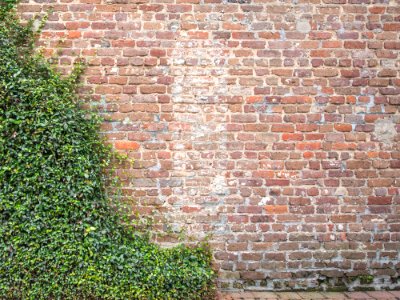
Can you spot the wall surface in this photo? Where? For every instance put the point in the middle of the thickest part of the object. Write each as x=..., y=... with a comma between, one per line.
x=271, y=126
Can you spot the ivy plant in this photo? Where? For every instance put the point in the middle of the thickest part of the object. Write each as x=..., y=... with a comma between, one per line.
x=60, y=234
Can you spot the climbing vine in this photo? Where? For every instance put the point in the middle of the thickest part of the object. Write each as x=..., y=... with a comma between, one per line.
x=60, y=234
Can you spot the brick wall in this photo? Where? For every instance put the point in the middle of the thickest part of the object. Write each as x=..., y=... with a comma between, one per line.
x=270, y=126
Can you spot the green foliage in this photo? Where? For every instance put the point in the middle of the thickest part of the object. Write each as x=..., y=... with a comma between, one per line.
x=366, y=279
x=60, y=235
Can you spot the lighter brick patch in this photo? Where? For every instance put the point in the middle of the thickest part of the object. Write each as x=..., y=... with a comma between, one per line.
x=385, y=130
x=303, y=26
x=219, y=186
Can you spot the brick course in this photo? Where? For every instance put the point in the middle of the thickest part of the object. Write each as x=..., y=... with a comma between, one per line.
x=272, y=126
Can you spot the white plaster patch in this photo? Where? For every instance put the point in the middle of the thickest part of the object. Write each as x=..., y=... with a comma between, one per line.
x=219, y=186
x=341, y=191
x=303, y=26
x=126, y=121
x=36, y=24
x=385, y=130
x=263, y=201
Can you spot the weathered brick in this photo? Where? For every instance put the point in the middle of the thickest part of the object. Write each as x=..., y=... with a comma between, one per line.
x=273, y=129
x=325, y=72
x=282, y=128
x=343, y=218
x=354, y=45
x=379, y=200
x=391, y=26
x=153, y=89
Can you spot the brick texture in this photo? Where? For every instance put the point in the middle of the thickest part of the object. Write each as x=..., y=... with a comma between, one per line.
x=271, y=126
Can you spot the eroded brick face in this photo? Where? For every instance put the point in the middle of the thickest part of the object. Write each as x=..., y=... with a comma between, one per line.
x=272, y=126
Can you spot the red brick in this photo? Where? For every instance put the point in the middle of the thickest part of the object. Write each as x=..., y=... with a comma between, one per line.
x=198, y=35
x=395, y=164
x=343, y=127
x=243, y=35
x=279, y=44
x=343, y=218
x=269, y=35
x=391, y=26
x=282, y=128
x=308, y=44
x=379, y=200
x=151, y=7
x=74, y=34
x=350, y=73
x=153, y=89
x=292, y=137
x=382, y=182
x=387, y=73
x=277, y=182
x=392, y=45
x=377, y=9
x=320, y=53
x=253, y=44
x=354, y=45
x=308, y=146
x=181, y=8
x=320, y=35
x=126, y=145
x=325, y=72
x=252, y=275
x=264, y=174
x=276, y=209
x=157, y=52
x=332, y=44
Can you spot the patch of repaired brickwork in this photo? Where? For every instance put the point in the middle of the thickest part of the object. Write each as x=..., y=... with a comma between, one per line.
x=270, y=127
